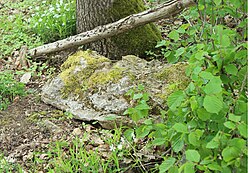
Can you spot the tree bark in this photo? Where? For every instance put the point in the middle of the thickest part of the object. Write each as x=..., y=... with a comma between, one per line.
x=93, y=13
x=164, y=10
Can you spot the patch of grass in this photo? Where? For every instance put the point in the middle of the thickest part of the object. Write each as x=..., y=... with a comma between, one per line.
x=54, y=19
x=15, y=30
x=34, y=23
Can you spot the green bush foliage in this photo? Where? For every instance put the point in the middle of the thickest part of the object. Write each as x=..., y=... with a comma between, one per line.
x=205, y=126
x=9, y=89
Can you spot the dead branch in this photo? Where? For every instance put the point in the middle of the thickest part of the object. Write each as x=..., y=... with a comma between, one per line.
x=165, y=10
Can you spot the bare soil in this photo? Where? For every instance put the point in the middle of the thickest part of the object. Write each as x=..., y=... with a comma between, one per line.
x=29, y=125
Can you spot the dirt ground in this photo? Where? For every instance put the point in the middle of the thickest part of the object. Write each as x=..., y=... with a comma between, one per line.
x=29, y=125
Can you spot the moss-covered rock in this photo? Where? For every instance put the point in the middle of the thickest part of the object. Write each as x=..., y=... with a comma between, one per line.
x=91, y=87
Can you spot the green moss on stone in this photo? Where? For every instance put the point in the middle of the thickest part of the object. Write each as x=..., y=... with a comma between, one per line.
x=81, y=72
x=140, y=39
x=175, y=78
x=104, y=77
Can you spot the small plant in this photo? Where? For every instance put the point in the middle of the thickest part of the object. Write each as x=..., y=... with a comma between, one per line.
x=141, y=109
x=56, y=22
x=9, y=89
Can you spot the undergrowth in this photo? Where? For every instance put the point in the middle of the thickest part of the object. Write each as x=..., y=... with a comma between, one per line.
x=204, y=128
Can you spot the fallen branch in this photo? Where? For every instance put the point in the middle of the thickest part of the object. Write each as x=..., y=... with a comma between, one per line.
x=167, y=9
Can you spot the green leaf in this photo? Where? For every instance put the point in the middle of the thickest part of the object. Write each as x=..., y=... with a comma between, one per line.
x=214, y=86
x=231, y=69
x=213, y=144
x=229, y=125
x=137, y=96
x=158, y=141
x=192, y=155
x=161, y=43
x=206, y=75
x=230, y=153
x=175, y=100
x=193, y=103
x=129, y=133
x=142, y=106
x=234, y=118
x=214, y=166
x=189, y=168
x=224, y=40
x=217, y=2
x=238, y=143
x=166, y=165
x=203, y=114
x=143, y=131
x=192, y=138
x=174, y=35
x=243, y=129
x=179, y=127
x=179, y=51
x=177, y=144
x=200, y=55
x=212, y=104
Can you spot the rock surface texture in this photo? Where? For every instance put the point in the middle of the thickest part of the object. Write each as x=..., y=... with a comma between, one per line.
x=93, y=88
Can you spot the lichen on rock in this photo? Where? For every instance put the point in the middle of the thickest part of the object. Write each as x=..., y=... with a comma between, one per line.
x=91, y=87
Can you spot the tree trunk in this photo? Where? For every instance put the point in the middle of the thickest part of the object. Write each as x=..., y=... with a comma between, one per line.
x=93, y=13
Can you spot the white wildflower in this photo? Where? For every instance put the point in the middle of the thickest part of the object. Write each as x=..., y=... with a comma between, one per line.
x=51, y=9
x=119, y=147
x=111, y=147
x=40, y=20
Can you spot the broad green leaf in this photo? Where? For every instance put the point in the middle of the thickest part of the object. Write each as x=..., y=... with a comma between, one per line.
x=175, y=100
x=236, y=3
x=193, y=103
x=137, y=96
x=224, y=40
x=177, y=144
x=234, y=118
x=214, y=166
x=182, y=128
x=231, y=69
x=161, y=43
x=192, y=155
x=166, y=165
x=203, y=114
x=174, y=35
x=230, y=153
x=142, y=106
x=212, y=104
x=189, y=168
x=143, y=131
x=214, y=86
x=229, y=125
x=200, y=55
x=158, y=141
x=206, y=75
x=129, y=134
x=213, y=144
x=217, y=2
x=243, y=129
x=179, y=51
x=238, y=143
x=194, y=139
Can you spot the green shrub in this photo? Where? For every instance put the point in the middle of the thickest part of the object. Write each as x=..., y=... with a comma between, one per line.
x=54, y=19
x=205, y=126
x=9, y=89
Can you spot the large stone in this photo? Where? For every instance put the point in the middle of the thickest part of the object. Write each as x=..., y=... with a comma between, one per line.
x=93, y=88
